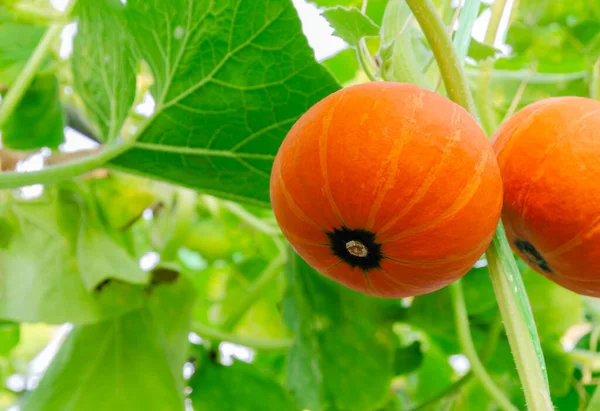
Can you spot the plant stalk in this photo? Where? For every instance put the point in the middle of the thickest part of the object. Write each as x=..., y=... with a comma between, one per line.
x=504, y=273
x=466, y=342
x=210, y=333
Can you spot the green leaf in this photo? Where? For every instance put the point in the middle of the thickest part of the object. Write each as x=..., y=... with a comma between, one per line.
x=128, y=363
x=434, y=374
x=342, y=357
x=9, y=336
x=478, y=290
x=17, y=42
x=262, y=319
x=39, y=275
x=479, y=51
x=231, y=77
x=555, y=308
x=104, y=65
x=171, y=308
x=343, y=65
x=375, y=8
x=238, y=387
x=100, y=258
x=39, y=119
x=350, y=24
x=122, y=198
x=408, y=358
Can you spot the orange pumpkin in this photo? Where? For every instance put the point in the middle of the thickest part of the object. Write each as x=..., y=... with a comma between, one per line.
x=387, y=188
x=549, y=157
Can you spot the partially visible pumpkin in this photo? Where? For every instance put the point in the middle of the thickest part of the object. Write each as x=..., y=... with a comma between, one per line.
x=549, y=157
x=387, y=188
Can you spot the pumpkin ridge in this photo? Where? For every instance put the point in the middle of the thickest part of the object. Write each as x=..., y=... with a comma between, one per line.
x=395, y=153
x=428, y=180
x=462, y=199
x=293, y=205
x=323, y=137
x=576, y=240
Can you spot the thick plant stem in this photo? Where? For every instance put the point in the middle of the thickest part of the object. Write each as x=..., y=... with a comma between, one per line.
x=515, y=310
x=505, y=275
x=21, y=84
x=210, y=333
x=466, y=343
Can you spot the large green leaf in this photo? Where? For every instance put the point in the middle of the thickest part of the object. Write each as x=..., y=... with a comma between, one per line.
x=342, y=357
x=39, y=273
x=230, y=79
x=103, y=65
x=127, y=363
x=39, y=119
x=238, y=387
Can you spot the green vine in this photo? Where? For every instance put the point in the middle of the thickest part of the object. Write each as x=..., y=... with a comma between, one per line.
x=519, y=324
x=466, y=342
x=214, y=334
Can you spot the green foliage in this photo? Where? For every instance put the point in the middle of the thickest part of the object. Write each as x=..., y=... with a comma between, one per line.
x=350, y=24
x=335, y=328
x=237, y=387
x=104, y=65
x=17, y=41
x=113, y=355
x=39, y=119
x=224, y=118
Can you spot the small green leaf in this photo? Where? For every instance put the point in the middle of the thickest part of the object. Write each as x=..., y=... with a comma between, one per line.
x=104, y=65
x=337, y=329
x=39, y=119
x=238, y=387
x=375, y=8
x=350, y=24
x=479, y=51
x=408, y=358
x=9, y=336
x=100, y=258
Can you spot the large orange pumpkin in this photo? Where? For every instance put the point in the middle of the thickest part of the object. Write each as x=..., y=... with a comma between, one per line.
x=549, y=157
x=387, y=188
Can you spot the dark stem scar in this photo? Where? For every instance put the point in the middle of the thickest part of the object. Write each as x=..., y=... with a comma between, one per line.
x=532, y=255
x=356, y=247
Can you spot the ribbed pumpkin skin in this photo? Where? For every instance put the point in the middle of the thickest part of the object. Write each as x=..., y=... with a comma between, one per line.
x=398, y=161
x=549, y=157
